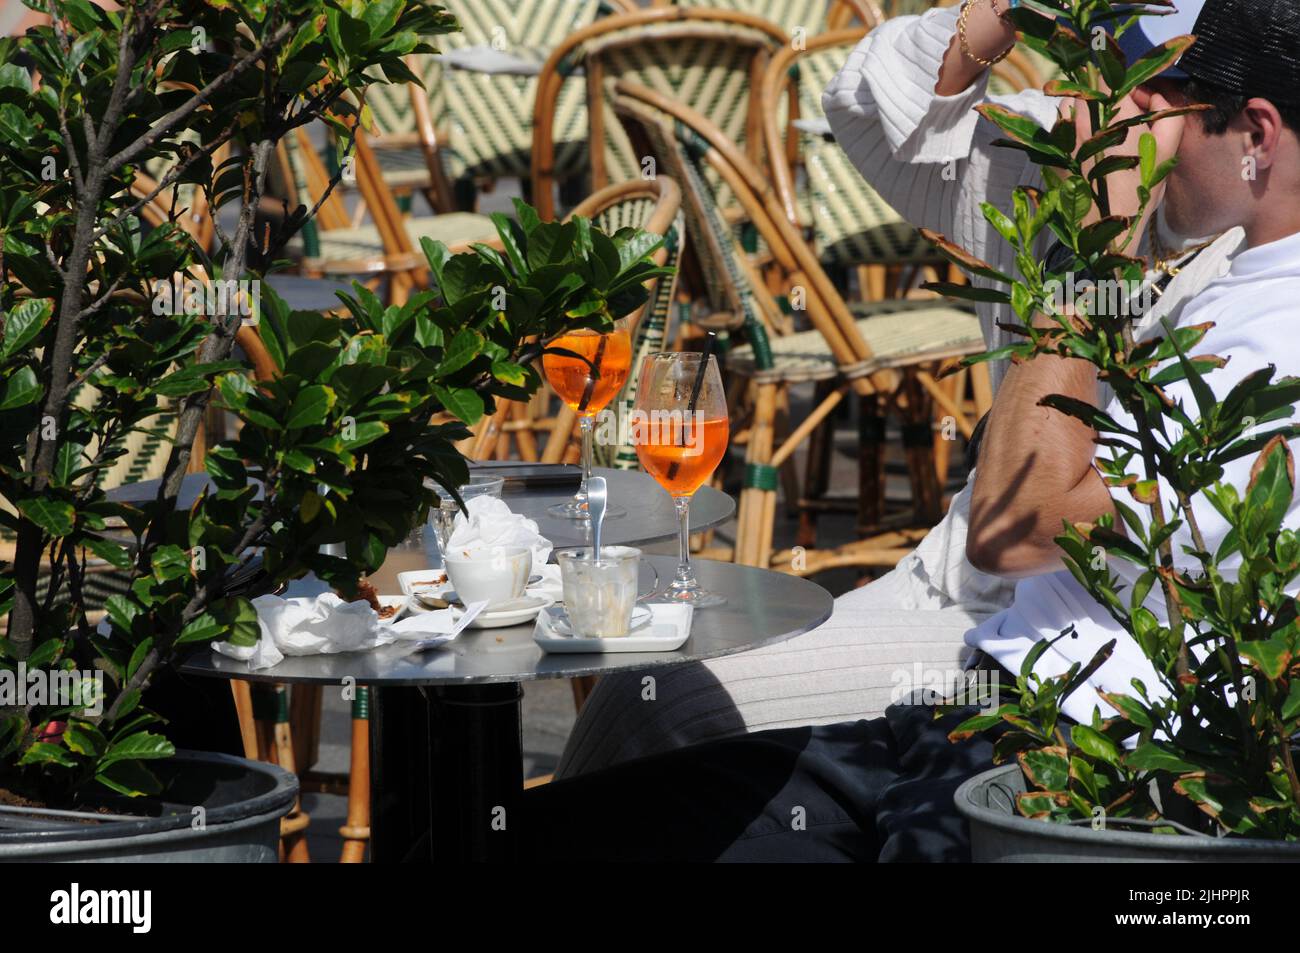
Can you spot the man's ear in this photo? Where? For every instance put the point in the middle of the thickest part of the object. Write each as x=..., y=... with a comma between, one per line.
x=1261, y=129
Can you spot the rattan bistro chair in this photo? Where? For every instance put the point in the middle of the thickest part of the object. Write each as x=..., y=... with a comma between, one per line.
x=848, y=223
x=464, y=129
x=709, y=59
x=330, y=244
x=876, y=358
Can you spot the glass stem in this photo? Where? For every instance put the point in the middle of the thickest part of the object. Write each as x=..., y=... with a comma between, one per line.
x=685, y=577
x=585, y=423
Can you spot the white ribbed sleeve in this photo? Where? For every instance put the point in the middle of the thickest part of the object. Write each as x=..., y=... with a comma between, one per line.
x=932, y=157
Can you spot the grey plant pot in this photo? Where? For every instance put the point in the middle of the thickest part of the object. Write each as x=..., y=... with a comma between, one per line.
x=1000, y=835
x=242, y=803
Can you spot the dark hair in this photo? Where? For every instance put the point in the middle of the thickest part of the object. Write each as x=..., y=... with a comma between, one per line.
x=1225, y=106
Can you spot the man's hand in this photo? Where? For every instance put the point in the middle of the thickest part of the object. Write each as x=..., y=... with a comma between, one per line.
x=1122, y=186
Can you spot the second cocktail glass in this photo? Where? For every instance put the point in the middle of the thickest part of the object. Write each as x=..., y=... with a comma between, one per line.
x=680, y=427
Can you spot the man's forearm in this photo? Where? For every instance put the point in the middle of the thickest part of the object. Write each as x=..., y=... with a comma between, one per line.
x=1035, y=470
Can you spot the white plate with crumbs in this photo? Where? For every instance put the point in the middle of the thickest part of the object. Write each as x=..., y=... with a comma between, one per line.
x=401, y=604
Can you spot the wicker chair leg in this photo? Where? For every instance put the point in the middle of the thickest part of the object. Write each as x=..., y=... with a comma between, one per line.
x=758, y=498
x=918, y=446
x=946, y=431
x=525, y=435
x=270, y=705
x=356, y=832
x=788, y=471
x=561, y=436
x=871, y=463
x=248, y=734
x=582, y=687
x=817, y=473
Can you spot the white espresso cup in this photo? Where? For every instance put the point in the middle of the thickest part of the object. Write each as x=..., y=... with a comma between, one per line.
x=494, y=574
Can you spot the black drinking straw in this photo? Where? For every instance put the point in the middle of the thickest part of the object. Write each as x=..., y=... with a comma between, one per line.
x=695, y=392
x=590, y=389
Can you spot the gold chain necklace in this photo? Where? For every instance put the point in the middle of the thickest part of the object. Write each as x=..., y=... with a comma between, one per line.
x=1164, y=258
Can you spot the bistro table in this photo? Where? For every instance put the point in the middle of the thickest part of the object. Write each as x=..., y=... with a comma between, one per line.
x=445, y=725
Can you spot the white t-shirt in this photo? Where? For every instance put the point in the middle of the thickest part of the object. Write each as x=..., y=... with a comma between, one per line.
x=1255, y=308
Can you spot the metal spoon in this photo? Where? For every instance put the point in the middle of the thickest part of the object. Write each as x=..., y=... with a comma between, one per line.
x=597, y=499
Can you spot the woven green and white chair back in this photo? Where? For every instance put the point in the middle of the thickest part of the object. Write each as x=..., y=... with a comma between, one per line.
x=147, y=450
x=707, y=66
x=681, y=152
x=851, y=224
x=904, y=8
x=652, y=329
x=486, y=120
x=798, y=18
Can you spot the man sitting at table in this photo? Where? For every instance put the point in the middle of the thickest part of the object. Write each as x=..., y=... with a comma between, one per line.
x=883, y=788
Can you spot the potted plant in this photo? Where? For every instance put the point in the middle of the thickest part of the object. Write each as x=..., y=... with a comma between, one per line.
x=1206, y=755
x=329, y=466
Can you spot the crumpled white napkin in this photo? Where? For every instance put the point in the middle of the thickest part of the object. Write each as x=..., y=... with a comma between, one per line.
x=325, y=624
x=491, y=523
x=549, y=585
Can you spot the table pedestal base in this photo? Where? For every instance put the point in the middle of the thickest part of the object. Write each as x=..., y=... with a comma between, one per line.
x=446, y=773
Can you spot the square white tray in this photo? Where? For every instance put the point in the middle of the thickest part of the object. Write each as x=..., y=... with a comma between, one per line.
x=667, y=630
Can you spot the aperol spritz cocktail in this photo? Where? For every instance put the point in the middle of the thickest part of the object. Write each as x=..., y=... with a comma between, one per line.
x=587, y=369
x=680, y=428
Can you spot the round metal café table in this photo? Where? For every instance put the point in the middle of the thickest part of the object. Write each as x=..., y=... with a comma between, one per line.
x=445, y=724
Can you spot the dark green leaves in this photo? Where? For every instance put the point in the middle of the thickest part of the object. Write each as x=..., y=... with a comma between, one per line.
x=310, y=407
x=23, y=323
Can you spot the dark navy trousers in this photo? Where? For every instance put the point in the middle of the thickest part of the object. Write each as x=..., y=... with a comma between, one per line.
x=856, y=791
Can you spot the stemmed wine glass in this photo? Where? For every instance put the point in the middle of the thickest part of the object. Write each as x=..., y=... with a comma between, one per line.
x=680, y=428
x=587, y=383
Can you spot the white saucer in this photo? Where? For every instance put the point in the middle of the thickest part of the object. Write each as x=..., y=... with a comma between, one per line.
x=518, y=611
x=559, y=620
x=515, y=612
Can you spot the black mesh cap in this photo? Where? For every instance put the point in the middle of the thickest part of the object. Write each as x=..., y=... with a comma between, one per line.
x=1248, y=47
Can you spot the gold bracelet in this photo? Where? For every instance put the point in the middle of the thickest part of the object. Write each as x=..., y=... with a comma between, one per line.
x=965, y=44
